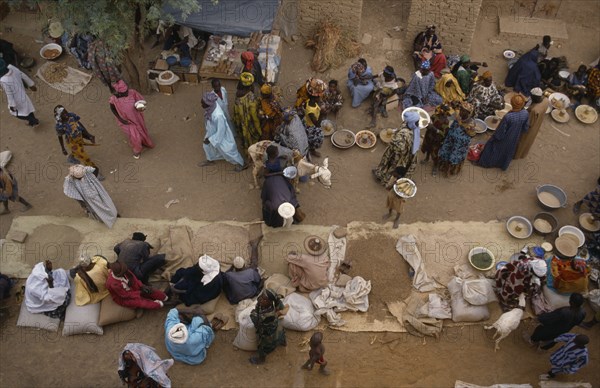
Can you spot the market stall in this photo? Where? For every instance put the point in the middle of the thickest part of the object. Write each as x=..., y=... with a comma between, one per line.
x=222, y=56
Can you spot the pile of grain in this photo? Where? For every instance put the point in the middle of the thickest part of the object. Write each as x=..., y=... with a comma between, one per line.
x=331, y=46
x=542, y=225
x=55, y=73
x=549, y=199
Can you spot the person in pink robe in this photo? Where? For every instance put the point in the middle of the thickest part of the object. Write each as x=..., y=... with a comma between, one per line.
x=131, y=120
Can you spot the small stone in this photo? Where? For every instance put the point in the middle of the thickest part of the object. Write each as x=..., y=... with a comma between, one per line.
x=366, y=39
x=295, y=37
x=397, y=28
x=170, y=189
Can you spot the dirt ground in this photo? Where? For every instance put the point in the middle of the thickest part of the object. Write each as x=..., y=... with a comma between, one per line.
x=139, y=188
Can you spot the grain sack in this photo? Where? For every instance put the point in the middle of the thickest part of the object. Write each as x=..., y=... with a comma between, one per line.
x=463, y=311
x=301, y=315
x=478, y=291
x=246, y=336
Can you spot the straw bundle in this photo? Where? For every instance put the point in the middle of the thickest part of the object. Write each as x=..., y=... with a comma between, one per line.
x=331, y=46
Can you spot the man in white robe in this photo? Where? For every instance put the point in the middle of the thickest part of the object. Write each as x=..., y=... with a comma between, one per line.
x=19, y=103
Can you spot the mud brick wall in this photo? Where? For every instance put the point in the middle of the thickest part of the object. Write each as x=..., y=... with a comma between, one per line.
x=455, y=21
x=345, y=13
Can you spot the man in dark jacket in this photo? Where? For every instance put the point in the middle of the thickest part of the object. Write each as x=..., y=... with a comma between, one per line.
x=135, y=253
x=559, y=321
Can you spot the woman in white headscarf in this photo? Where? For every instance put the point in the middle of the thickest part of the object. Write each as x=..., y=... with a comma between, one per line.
x=402, y=151
x=524, y=275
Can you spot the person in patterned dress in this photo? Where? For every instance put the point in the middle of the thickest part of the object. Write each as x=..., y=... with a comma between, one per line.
x=524, y=275
x=485, y=97
x=402, y=151
x=245, y=113
x=455, y=148
x=69, y=125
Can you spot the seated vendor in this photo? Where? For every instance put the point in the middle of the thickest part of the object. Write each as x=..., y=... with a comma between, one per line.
x=198, y=284
x=386, y=86
x=569, y=273
x=90, y=280
x=128, y=291
x=331, y=100
x=47, y=290
x=243, y=282
x=189, y=334
x=576, y=84
x=524, y=275
x=181, y=37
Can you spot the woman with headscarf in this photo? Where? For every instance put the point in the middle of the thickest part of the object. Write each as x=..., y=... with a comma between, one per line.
x=128, y=291
x=501, y=147
x=245, y=112
x=130, y=119
x=463, y=74
x=82, y=185
x=69, y=125
x=265, y=317
x=402, y=151
x=525, y=275
x=252, y=66
x=199, y=283
x=219, y=143
x=434, y=137
x=485, y=97
x=47, y=290
x=525, y=74
x=360, y=82
x=449, y=89
x=270, y=112
x=292, y=133
x=13, y=81
x=312, y=87
x=454, y=150
x=421, y=89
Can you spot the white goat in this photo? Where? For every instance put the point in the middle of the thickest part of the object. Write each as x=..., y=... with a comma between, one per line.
x=507, y=322
x=322, y=173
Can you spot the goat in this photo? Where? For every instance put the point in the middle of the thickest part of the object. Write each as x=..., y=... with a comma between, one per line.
x=507, y=322
x=257, y=152
x=322, y=173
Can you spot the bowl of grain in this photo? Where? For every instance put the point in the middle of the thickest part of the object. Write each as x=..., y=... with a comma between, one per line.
x=481, y=258
x=519, y=227
x=551, y=197
x=544, y=223
x=51, y=51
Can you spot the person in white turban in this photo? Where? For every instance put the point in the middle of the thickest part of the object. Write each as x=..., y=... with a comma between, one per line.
x=200, y=283
x=240, y=282
x=189, y=334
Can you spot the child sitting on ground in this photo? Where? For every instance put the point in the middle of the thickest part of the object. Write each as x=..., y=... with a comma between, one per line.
x=317, y=350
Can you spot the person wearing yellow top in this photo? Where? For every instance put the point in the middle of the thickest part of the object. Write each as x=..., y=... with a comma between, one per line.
x=312, y=121
x=90, y=280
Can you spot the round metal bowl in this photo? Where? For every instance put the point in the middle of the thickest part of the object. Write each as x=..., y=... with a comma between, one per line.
x=481, y=250
x=546, y=217
x=366, y=139
x=48, y=47
x=555, y=191
x=523, y=222
x=402, y=194
x=343, y=138
x=570, y=229
x=490, y=124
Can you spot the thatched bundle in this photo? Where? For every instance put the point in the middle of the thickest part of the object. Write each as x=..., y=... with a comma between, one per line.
x=331, y=47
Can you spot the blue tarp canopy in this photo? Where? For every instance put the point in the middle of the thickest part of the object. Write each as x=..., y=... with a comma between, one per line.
x=235, y=17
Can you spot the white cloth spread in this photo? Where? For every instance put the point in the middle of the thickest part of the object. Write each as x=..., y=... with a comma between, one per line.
x=407, y=247
x=330, y=300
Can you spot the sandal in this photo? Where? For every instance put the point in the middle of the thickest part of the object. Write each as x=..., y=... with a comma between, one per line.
x=219, y=321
